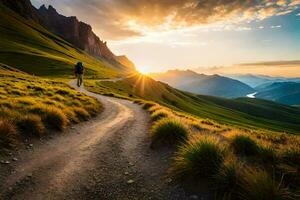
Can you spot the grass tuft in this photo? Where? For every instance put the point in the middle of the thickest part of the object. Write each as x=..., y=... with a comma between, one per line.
x=199, y=157
x=244, y=145
x=158, y=115
x=30, y=125
x=52, y=117
x=81, y=113
x=258, y=184
x=168, y=131
x=8, y=134
x=148, y=105
x=228, y=177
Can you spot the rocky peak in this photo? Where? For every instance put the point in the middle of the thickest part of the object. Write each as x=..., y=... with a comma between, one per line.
x=77, y=33
x=23, y=8
x=70, y=29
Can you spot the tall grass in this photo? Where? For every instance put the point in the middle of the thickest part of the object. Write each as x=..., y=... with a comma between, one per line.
x=227, y=179
x=41, y=105
x=159, y=114
x=244, y=145
x=199, y=157
x=8, y=134
x=31, y=125
x=258, y=184
x=168, y=131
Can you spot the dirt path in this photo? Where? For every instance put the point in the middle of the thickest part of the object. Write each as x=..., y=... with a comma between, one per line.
x=106, y=158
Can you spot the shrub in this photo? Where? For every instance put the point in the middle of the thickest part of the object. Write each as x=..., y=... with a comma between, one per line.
x=258, y=184
x=159, y=114
x=30, y=125
x=8, y=134
x=200, y=157
x=244, y=145
x=168, y=131
x=81, y=113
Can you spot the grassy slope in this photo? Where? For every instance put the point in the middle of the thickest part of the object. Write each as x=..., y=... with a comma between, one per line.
x=250, y=113
x=29, y=47
x=34, y=105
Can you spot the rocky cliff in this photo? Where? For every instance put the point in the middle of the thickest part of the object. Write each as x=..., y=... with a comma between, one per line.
x=23, y=8
x=70, y=29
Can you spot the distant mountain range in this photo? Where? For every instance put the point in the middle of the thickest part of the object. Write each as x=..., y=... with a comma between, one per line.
x=70, y=29
x=278, y=89
x=213, y=85
x=28, y=46
x=282, y=92
x=256, y=80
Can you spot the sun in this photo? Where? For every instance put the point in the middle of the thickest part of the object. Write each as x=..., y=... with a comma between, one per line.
x=143, y=70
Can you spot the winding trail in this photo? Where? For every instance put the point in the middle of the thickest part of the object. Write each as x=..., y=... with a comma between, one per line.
x=106, y=158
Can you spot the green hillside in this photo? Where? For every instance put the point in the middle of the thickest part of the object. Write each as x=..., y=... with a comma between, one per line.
x=243, y=112
x=27, y=46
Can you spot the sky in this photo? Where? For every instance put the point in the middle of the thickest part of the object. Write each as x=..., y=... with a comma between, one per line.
x=228, y=35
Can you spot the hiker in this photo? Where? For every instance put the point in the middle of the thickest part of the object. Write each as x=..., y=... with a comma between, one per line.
x=79, y=69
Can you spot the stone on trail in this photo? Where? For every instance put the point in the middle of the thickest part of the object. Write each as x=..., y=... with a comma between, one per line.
x=5, y=162
x=130, y=181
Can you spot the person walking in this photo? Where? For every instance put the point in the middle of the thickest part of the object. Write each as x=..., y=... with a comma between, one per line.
x=79, y=70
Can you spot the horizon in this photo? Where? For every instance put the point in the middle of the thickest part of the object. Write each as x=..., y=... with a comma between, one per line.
x=193, y=38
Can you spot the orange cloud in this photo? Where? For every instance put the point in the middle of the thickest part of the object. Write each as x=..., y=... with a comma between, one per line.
x=275, y=68
x=124, y=18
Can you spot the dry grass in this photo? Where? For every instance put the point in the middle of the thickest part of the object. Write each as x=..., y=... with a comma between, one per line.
x=199, y=157
x=252, y=156
x=34, y=105
x=8, y=134
x=169, y=132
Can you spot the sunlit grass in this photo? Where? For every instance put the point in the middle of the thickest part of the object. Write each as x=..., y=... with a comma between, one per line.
x=33, y=106
x=168, y=132
x=247, y=154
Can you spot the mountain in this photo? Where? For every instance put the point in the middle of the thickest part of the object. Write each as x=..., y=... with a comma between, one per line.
x=282, y=92
x=70, y=29
x=256, y=80
x=77, y=33
x=28, y=46
x=23, y=8
x=125, y=61
x=241, y=112
x=213, y=85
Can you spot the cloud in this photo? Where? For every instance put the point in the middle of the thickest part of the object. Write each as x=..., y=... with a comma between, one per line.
x=277, y=26
x=124, y=18
x=271, y=68
x=294, y=3
x=274, y=63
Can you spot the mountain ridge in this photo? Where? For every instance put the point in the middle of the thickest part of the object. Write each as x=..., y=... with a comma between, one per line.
x=70, y=29
x=213, y=85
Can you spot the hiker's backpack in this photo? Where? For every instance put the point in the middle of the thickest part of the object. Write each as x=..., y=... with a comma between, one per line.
x=79, y=68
